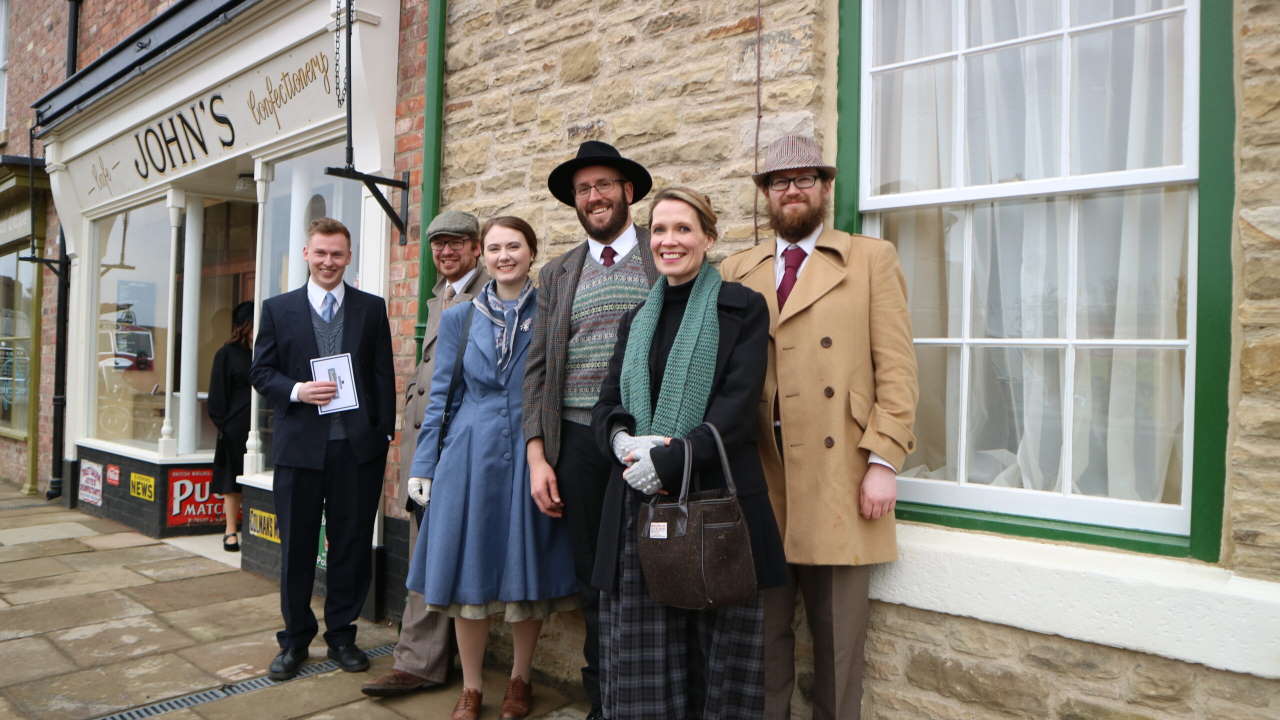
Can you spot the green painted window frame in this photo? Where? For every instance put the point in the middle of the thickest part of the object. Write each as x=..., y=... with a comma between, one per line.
x=1213, y=310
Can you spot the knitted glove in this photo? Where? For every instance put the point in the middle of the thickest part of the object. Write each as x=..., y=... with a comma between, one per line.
x=624, y=443
x=642, y=475
x=420, y=490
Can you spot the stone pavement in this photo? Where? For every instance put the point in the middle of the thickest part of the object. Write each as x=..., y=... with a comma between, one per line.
x=96, y=619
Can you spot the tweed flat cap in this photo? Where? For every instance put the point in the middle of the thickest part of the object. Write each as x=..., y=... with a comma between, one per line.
x=454, y=222
x=791, y=152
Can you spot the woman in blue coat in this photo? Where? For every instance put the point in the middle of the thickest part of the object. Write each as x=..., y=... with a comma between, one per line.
x=484, y=550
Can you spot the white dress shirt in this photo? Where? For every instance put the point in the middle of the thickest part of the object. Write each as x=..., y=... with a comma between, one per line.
x=315, y=296
x=622, y=244
x=459, y=287
x=809, y=244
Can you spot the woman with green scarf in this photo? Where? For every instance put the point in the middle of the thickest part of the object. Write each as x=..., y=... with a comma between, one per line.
x=695, y=351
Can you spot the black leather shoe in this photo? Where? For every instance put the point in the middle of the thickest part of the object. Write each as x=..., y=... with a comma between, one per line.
x=349, y=658
x=596, y=714
x=286, y=664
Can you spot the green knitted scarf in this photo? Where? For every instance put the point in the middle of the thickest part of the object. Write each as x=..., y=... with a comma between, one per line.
x=691, y=364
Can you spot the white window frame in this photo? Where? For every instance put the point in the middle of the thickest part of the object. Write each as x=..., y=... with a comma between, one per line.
x=1062, y=505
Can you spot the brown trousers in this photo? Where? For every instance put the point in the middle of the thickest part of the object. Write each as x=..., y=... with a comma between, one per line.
x=836, y=605
x=425, y=647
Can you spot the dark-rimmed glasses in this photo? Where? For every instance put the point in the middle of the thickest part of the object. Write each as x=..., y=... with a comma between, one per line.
x=802, y=182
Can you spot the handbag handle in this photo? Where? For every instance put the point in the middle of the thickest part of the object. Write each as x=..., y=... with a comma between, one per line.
x=687, y=478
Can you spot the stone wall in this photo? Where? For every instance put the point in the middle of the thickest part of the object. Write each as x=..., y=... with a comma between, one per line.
x=1253, y=492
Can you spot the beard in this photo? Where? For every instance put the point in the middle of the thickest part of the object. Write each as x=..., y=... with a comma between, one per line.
x=614, y=223
x=797, y=225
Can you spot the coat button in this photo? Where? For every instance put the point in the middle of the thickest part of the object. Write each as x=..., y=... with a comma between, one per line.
x=829, y=392
x=417, y=426
x=829, y=442
x=911, y=444
x=422, y=391
x=825, y=342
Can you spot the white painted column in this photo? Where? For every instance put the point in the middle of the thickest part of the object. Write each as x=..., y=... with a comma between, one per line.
x=299, y=197
x=188, y=403
x=262, y=174
x=176, y=201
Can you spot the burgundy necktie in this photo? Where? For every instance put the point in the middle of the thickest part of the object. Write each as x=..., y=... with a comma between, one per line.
x=792, y=257
x=607, y=255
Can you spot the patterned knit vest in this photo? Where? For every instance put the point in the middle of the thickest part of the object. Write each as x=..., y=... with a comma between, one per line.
x=604, y=294
x=329, y=342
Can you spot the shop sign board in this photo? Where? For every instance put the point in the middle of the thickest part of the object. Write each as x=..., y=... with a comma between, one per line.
x=90, y=483
x=142, y=486
x=287, y=92
x=190, y=500
x=113, y=474
x=262, y=524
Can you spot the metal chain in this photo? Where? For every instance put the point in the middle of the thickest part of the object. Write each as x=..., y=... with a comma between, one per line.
x=339, y=88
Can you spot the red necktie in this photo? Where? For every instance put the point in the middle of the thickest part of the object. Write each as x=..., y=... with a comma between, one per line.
x=607, y=255
x=792, y=257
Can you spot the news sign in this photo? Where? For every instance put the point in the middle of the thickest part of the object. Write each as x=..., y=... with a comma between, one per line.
x=191, y=502
x=90, y=483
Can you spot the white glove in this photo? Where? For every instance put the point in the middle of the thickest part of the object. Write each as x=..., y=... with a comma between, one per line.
x=420, y=490
x=624, y=444
x=642, y=475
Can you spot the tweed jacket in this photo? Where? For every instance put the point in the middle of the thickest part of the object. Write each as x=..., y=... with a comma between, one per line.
x=545, y=366
x=415, y=392
x=842, y=371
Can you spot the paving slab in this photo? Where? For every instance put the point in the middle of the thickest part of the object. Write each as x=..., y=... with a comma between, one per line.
x=15, y=510
x=360, y=710
x=13, y=500
x=25, y=620
x=235, y=659
x=180, y=568
x=103, y=690
x=117, y=640
x=60, y=516
x=198, y=591
x=209, y=546
x=122, y=557
x=33, y=568
x=103, y=526
x=70, y=584
x=231, y=618
x=39, y=533
x=45, y=548
x=439, y=703
x=112, y=541
x=30, y=658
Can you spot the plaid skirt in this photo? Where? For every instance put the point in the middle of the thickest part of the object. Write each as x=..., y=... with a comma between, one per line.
x=664, y=663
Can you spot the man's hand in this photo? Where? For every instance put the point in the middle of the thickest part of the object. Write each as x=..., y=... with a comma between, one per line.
x=542, y=481
x=317, y=392
x=879, y=492
x=420, y=490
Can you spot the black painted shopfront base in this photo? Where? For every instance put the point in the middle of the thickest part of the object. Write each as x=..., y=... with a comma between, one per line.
x=260, y=554
x=156, y=500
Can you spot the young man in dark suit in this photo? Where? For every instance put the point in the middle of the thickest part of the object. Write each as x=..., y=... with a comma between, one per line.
x=329, y=464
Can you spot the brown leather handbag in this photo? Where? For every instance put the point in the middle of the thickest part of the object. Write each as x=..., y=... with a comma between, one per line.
x=696, y=550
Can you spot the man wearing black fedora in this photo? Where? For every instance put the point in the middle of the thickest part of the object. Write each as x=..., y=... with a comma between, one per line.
x=581, y=299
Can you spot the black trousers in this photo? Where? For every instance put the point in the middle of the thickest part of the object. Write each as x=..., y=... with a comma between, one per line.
x=346, y=493
x=582, y=474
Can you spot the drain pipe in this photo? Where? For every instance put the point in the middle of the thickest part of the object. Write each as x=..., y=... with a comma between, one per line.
x=64, y=297
x=432, y=141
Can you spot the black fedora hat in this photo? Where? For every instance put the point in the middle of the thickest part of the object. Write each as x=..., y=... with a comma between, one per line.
x=591, y=153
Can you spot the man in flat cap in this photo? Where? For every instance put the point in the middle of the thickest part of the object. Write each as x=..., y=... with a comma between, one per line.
x=424, y=652
x=839, y=401
x=581, y=299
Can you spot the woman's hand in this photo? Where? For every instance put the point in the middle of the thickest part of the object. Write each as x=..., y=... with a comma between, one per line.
x=625, y=445
x=420, y=490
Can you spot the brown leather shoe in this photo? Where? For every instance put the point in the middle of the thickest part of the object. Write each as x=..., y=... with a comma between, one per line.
x=515, y=706
x=395, y=683
x=468, y=707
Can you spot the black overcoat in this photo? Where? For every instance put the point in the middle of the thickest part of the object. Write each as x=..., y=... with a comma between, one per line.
x=741, y=359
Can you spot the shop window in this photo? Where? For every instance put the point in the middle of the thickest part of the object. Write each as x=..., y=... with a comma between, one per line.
x=132, y=325
x=298, y=193
x=1036, y=164
x=17, y=305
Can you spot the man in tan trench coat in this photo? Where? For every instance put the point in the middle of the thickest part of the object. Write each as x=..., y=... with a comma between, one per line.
x=838, y=404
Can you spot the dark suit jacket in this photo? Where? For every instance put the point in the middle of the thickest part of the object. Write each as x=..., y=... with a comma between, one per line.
x=282, y=357
x=741, y=359
x=544, y=366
